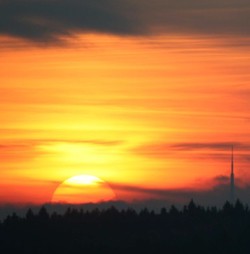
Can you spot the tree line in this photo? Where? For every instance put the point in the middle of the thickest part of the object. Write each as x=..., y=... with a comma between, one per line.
x=192, y=229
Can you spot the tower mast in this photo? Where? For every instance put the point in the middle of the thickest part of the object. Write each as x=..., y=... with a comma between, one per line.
x=232, y=177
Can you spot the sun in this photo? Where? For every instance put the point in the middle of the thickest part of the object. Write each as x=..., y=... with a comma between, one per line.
x=82, y=189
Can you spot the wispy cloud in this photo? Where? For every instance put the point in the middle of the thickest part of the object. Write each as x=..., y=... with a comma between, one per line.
x=161, y=147
x=213, y=196
x=26, y=150
x=222, y=146
x=195, y=151
x=50, y=21
x=28, y=143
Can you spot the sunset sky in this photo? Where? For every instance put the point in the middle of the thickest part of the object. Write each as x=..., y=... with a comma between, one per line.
x=148, y=96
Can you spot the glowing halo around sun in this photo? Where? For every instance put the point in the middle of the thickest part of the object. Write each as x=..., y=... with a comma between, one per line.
x=82, y=189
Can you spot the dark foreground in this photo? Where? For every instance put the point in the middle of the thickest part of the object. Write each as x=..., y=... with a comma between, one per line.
x=193, y=229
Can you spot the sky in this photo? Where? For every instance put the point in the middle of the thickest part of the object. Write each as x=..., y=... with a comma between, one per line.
x=148, y=96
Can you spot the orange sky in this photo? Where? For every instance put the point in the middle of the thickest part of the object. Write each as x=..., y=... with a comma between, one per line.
x=159, y=112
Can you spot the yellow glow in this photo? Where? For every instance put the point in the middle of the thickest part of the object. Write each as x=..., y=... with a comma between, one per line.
x=118, y=108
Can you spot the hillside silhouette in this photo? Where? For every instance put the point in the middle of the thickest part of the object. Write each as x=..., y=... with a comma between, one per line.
x=192, y=229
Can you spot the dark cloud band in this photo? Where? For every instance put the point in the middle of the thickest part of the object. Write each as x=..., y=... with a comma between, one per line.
x=51, y=20
x=46, y=20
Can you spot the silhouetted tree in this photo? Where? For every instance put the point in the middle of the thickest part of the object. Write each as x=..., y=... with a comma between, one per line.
x=163, y=211
x=43, y=214
x=30, y=215
x=173, y=211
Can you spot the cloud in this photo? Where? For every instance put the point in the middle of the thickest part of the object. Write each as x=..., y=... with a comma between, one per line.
x=31, y=143
x=217, y=195
x=187, y=146
x=16, y=151
x=48, y=21
x=172, y=195
x=51, y=20
x=209, y=17
x=222, y=146
x=13, y=152
x=222, y=179
x=97, y=142
x=215, y=150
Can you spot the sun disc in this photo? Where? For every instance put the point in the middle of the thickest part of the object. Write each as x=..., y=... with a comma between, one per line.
x=83, y=189
x=83, y=180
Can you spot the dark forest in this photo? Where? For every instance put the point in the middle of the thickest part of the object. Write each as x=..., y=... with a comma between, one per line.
x=192, y=229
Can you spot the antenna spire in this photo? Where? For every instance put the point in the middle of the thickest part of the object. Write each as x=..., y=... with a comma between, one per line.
x=232, y=161
x=232, y=177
